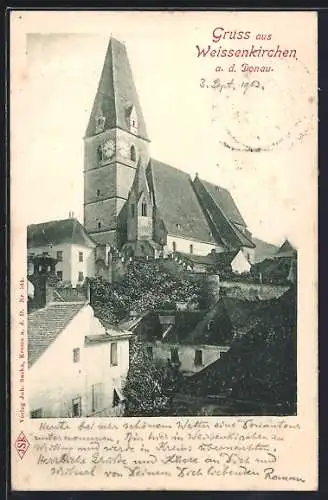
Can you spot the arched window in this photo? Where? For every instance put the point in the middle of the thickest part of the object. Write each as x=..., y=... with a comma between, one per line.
x=133, y=155
x=99, y=153
x=144, y=209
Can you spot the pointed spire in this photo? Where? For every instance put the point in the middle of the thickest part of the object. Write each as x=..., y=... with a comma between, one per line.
x=140, y=183
x=116, y=96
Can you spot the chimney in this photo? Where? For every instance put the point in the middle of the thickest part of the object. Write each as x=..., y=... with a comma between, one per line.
x=43, y=280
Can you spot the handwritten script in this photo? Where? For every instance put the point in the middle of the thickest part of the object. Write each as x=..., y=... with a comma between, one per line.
x=180, y=449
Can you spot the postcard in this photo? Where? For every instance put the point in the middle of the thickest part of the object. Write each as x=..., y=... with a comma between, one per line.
x=164, y=250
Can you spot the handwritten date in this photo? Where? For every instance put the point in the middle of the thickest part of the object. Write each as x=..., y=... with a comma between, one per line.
x=221, y=85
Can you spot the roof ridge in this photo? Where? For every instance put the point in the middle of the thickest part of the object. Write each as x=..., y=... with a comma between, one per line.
x=187, y=174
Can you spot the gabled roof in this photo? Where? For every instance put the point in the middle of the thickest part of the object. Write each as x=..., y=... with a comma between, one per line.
x=223, y=215
x=116, y=95
x=263, y=250
x=44, y=326
x=140, y=183
x=224, y=200
x=286, y=250
x=56, y=232
x=177, y=202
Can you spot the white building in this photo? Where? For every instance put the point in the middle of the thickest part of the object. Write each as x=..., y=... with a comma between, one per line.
x=68, y=242
x=241, y=264
x=77, y=366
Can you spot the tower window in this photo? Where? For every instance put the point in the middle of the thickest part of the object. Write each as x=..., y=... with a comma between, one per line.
x=132, y=210
x=98, y=192
x=198, y=358
x=133, y=121
x=133, y=155
x=99, y=225
x=81, y=277
x=144, y=209
x=191, y=248
x=100, y=123
x=80, y=256
x=174, y=246
x=100, y=153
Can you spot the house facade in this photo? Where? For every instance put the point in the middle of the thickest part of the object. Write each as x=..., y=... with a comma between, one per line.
x=93, y=358
x=67, y=242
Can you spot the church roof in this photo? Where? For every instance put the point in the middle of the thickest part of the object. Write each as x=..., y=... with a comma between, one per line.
x=224, y=200
x=177, y=203
x=56, y=232
x=116, y=95
x=225, y=216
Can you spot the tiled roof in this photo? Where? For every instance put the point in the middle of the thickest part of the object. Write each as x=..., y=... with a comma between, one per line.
x=57, y=232
x=270, y=345
x=177, y=203
x=224, y=200
x=116, y=93
x=232, y=233
x=214, y=329
x=286, y=250
x=44, y=326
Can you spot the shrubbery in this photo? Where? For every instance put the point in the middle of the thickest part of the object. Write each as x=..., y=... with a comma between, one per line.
x=144, y=287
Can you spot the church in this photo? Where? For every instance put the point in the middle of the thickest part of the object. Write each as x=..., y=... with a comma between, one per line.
x=140, y=205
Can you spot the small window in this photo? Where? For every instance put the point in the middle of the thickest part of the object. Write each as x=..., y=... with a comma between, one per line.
x=144, y=209
x=100, y=124
x=132, y=210
x=198, y=358
x=76, y=407
x=113, y=354
x=76, y=355
x=81, y=277
x=60, y=275
x=98, y=192
x=178, y=226
x=191, y=248
x=149, y=350
x=36, y=413
x=99, y=153
x=133, y=155
x=80, y=256
x=174, y=355
x=60, y=256
x=174, y=246
x=97, y=397
x=99, y=225
x=210, y=324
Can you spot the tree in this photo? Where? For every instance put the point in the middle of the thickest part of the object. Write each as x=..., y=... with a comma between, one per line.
x=150, y=384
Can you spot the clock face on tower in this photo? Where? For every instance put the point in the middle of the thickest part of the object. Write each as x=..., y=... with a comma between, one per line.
x=108, y=149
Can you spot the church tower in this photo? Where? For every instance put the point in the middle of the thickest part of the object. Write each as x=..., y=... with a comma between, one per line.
x=140, y=208
x=115, y=142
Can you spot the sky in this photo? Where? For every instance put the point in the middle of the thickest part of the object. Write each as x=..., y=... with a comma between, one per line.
x=188, y=125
